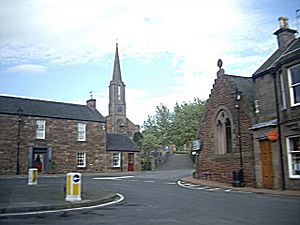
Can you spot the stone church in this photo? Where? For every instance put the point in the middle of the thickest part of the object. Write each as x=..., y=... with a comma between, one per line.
x=58, y=137
x=117, y=122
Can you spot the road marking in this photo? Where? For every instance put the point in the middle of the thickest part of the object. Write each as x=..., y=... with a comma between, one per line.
x=171, y=183
x=120, y=199
x=149, y=181
x=112, y=178
x=208, y=188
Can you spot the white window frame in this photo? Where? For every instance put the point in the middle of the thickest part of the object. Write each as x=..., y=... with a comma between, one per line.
x=81, y=132
x=283, y=92
x=290, y=153
x=116, y=159
x=40, y=129
x=81, y=159
x=291, y=86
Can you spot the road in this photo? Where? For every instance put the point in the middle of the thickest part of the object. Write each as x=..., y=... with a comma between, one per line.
x=154, y=198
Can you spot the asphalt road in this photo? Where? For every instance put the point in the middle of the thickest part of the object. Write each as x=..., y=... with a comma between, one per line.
x=154, y=198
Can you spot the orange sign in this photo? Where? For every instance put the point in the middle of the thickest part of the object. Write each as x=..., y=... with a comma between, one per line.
x=272, y=135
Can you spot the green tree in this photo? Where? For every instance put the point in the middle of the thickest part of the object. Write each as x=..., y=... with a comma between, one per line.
x=178, y=127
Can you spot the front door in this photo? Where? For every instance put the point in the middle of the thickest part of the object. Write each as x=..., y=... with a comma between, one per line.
x=266, y=163
x=130, y=161
x=39, y=159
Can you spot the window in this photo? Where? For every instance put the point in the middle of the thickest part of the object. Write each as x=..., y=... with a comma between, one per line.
x=293, y=151
x=81, y=132
x=81, y=159
x=294, y=84
x=116, y=159
x=256, y=106
x=40, y=129
x=119, y=92
x=223, y=133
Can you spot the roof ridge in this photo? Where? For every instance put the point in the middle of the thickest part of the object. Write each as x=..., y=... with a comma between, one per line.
x=41, y=100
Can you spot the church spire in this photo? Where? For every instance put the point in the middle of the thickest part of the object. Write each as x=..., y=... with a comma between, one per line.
x=117, y=69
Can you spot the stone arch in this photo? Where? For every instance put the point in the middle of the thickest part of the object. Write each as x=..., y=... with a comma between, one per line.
x=223, y=131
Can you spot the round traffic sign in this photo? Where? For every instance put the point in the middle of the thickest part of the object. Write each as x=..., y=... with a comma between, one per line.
x=76, y=178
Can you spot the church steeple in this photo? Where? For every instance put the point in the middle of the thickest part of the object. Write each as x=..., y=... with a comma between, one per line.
x=117, y=104
x=117, y=69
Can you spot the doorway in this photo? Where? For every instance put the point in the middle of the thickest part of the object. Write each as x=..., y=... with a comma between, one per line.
x=39, y=159
x=130, y=161
x=266, y=163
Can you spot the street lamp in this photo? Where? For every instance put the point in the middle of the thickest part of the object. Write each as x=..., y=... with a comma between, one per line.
x=238, y=96
x=20, y=111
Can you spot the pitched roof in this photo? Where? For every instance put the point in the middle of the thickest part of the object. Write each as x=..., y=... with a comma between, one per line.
x=120, y=142
x=50, y=109
x=278, y=56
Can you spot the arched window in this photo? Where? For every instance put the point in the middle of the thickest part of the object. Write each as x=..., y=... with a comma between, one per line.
x=119, y=92
x=223, y=132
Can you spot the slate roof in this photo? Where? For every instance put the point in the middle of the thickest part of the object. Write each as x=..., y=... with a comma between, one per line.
x=120, y=142
x=280, y=55
x=49, y=109
x=244, y=84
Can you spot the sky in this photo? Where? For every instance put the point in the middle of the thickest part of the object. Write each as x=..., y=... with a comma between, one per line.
x=61, y=50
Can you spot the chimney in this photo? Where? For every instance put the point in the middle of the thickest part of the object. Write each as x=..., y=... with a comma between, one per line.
x=284, y=35
x=91, y=103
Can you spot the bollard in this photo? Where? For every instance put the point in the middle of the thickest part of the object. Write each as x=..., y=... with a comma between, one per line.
x=73, y=187
x=32, y=176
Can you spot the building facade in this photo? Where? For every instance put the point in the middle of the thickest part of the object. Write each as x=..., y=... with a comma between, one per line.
x=277, y=104
x=219, y=129
x=269, y=127
x=51, y=136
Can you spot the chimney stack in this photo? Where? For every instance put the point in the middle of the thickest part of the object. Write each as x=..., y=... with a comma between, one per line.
x=91, y=103
x=284, y=35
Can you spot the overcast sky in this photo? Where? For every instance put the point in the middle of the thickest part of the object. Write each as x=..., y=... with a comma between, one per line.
x=61, y=50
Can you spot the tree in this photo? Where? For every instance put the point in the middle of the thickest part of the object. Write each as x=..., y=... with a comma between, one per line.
x=178, y=127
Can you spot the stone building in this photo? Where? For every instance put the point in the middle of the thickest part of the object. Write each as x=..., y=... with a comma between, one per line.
x=218, y=130
x=118, y=125
x=269, y=110
x=277, y=108
x=58, y=137
x=117, y=122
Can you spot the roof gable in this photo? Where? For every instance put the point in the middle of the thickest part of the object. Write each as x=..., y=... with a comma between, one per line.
x=50, y=109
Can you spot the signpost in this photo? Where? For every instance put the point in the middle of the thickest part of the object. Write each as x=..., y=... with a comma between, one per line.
x=197, y=146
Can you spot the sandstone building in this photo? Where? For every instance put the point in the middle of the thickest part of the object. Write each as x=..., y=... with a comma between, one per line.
x=265, y=143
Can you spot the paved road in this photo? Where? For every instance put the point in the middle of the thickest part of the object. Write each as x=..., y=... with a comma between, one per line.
x=154, y=198
x=177, y=162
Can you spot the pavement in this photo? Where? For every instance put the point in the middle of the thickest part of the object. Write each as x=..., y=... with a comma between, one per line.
x=16, y=196
x=204, y=182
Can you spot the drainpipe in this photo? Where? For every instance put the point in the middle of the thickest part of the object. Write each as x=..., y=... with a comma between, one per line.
x=279, y=129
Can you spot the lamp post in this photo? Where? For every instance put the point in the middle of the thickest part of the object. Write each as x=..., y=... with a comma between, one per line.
x=20, y=111
x=238, y=96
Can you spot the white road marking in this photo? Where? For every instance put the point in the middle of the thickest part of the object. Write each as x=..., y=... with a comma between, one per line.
x=112, y=178
x=149, y=181
x=121, y=198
